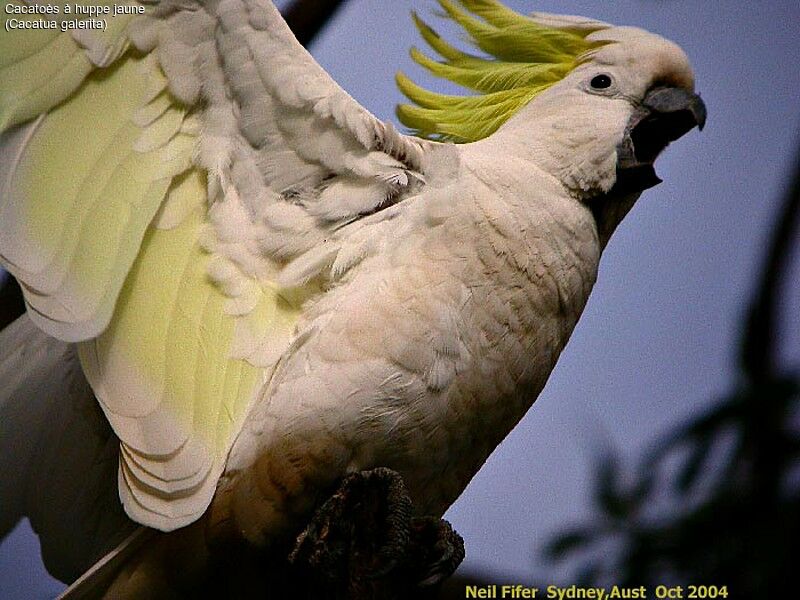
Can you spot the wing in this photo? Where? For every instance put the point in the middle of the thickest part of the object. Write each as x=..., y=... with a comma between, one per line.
x=175, y=164
x=58, y=456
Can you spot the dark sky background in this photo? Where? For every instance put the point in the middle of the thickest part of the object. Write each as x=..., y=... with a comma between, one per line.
x=658, y=339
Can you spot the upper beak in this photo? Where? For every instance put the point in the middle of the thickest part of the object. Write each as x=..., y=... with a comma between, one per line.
x=678, y=103
x=666, y=114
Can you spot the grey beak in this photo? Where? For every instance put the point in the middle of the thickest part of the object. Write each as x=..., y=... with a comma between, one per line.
x=673, y=101
x=666, y=114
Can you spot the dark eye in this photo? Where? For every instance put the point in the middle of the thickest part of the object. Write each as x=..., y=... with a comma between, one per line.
x=601, y=82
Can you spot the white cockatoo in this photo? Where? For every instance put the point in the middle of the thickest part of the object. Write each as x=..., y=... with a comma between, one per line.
x=265, y=287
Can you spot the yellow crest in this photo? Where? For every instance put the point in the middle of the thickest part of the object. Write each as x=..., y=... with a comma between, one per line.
x=526, y=55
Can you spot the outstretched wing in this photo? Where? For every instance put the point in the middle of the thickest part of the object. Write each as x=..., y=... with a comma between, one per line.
x=174, y=164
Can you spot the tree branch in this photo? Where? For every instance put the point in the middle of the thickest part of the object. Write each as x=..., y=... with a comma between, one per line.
x=306, y=18
x=759, y=348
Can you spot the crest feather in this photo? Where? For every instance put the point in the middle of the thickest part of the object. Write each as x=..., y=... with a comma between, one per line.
x=526, y=55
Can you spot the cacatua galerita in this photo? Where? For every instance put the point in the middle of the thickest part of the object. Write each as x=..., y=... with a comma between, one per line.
x=265, y=287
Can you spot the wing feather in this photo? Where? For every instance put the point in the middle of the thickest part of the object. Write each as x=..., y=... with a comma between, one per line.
x=184, y=159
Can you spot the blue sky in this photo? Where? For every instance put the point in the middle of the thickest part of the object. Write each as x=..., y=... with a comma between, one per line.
x=658, y=339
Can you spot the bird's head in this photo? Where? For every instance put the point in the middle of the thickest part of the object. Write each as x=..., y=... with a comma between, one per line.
x=606, y=122
x=594, y=105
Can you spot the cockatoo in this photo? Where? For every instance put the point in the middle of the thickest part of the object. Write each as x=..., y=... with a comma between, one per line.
x=266, y=288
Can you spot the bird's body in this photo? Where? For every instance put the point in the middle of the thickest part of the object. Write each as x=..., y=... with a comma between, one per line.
x=270, y=289
x=429, y=352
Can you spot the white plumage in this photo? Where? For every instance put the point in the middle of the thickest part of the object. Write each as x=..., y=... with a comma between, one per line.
x=271, y=288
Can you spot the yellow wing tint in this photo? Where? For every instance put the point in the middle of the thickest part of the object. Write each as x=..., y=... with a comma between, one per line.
x=163, y=373
x=101, y=220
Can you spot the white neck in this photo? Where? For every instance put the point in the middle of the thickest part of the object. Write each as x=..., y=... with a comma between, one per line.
x=573, y=145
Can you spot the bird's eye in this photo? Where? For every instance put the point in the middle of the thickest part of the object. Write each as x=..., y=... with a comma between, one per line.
x=601, y=82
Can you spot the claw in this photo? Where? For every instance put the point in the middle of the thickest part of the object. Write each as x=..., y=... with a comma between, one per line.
x=364, y=537
x=437, y=536
x=384, y=569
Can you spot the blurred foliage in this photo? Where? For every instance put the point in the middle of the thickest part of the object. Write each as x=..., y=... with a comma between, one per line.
x=717, y=499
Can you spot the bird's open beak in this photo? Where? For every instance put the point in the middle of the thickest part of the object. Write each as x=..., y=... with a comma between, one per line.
x=666, y=114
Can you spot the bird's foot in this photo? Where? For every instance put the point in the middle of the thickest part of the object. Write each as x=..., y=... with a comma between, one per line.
x=366, y=521
x=364, y=541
